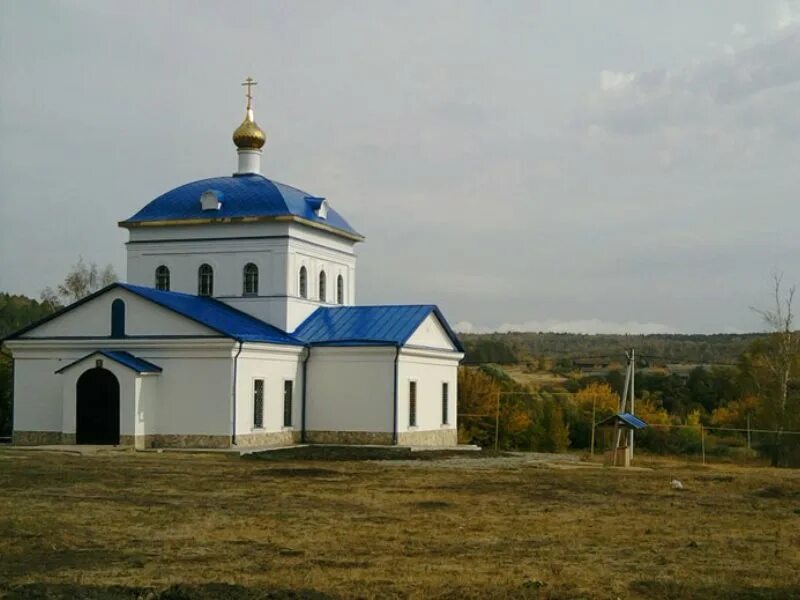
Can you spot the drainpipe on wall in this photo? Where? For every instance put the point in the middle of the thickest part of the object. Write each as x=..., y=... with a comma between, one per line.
x=233, y=395
x=305, y=388
x=394, y=415
x=13, y=385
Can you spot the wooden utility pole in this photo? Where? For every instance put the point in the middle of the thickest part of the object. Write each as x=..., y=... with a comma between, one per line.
x=594, y=420
x=633, y=378
x=622, y=402
x=497, y=424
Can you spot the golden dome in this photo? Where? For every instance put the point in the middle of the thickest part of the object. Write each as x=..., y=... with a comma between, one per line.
x=249, y=135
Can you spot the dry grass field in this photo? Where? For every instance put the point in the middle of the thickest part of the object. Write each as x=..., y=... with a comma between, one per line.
x=534, y=379
x=157, y=526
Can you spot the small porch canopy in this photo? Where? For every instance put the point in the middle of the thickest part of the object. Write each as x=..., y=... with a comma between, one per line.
x=126, y=359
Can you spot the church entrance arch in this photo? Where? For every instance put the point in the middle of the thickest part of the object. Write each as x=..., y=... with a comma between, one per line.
x=97, y=407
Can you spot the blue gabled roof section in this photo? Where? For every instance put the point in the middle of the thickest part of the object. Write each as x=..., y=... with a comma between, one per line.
x=215, y=315
x=390, y=325
x=241, y=196
x=332, y=326
x=126, y=359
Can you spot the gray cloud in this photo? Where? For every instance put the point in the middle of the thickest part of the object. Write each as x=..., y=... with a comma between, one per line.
x=630, y=163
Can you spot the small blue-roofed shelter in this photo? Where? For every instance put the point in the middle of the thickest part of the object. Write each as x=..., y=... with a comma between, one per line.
x=618, y=452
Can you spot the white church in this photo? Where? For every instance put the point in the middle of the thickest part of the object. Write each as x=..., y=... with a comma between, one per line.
x=238, y=327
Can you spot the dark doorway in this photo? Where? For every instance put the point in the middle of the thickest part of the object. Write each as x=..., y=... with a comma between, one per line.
x=97, y=408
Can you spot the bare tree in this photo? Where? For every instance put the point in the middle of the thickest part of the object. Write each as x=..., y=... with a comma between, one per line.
x=781, y=355
x=81, y=280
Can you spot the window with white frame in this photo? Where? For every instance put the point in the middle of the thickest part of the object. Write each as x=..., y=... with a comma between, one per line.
x=258, y=403
x=340, y=290
x=412, y=403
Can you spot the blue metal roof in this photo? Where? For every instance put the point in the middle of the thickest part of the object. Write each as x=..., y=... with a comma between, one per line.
x=624, y=419
x=241, y=196
x=368, y=325
x=632, y=421
x=216, y=315
x=126, y=359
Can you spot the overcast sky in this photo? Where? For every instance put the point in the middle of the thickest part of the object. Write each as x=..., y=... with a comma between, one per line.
x=555, y=165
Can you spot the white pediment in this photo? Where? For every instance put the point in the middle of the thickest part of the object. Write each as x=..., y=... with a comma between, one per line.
x=431, y=334
x=92, y=318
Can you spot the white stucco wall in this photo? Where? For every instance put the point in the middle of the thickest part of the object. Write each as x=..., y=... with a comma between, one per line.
x=430, y=369
x=147, y=405
x=37, y=392
x=193, y=392
x=279, y=250
x=350, y=389
x=275, y=365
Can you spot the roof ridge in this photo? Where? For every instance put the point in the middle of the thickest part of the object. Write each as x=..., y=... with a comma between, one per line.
x=296, y=189
x=127, y=285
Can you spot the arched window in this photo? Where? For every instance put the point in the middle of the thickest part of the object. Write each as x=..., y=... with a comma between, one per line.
x=250, y=287
x=322, y=286
x=303, y=282
x=340, y=290
x=118, y=319
x=205, y=280
x=162, y=278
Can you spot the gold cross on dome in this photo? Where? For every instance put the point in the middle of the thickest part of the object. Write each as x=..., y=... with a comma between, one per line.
x=249, y=82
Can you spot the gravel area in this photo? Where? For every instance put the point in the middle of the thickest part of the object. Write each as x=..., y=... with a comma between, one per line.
x=507, y=460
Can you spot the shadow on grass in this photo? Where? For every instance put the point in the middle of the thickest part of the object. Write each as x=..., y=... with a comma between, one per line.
x=345, y=453
x=211, y=591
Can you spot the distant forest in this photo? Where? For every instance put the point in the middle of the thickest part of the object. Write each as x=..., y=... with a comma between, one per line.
x=566, y=348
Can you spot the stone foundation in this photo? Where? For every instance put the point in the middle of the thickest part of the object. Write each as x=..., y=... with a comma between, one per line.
x=177, y=440
x=268, y=438
x=435, y=437
x=53, y=438
x=350, y=437
x=38, y=438
x=432, y=437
